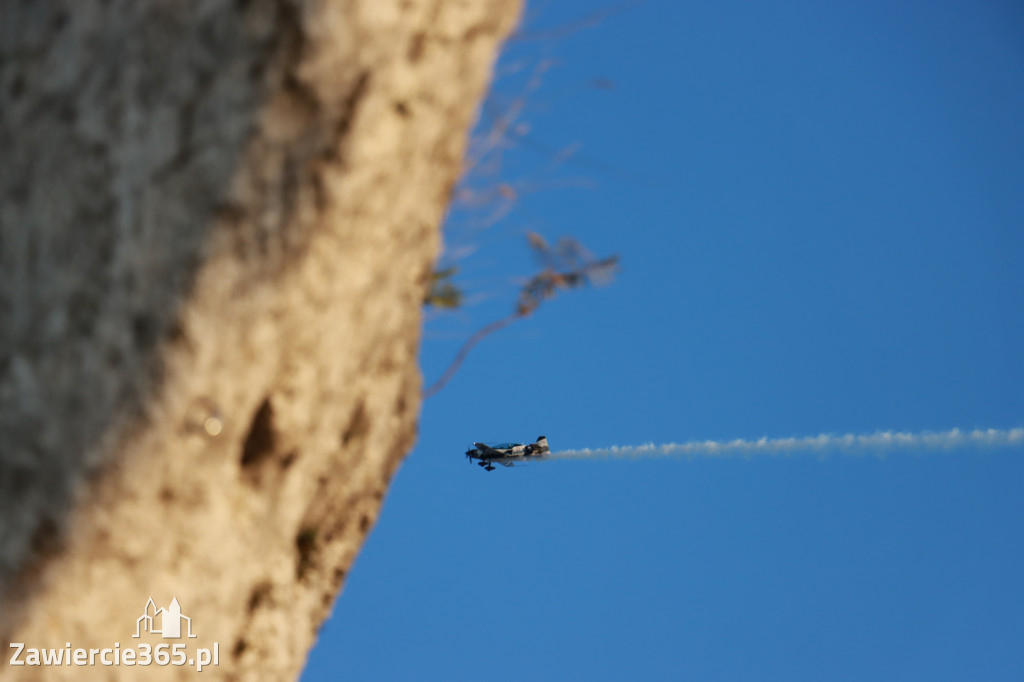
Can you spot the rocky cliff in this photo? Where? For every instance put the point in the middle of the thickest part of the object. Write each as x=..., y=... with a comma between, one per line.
x=217, y=220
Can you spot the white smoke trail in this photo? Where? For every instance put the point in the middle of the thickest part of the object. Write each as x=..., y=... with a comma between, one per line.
x=875, y=443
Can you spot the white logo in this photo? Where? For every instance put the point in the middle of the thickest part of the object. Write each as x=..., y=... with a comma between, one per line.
x=170, y=621
x=145, y=654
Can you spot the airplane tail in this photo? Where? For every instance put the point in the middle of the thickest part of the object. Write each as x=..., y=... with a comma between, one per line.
x=542, y=445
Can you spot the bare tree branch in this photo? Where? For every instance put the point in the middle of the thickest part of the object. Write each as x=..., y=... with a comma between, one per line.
x=567, y=265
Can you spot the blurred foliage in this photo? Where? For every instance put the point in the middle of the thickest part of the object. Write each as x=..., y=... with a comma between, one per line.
x=443, y=293
x=566, y=265
x=486, y=196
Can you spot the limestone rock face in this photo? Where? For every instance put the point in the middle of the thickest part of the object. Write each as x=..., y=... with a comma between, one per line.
x=217, y=221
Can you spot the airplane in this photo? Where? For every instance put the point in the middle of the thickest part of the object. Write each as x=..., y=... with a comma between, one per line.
x=506, y=454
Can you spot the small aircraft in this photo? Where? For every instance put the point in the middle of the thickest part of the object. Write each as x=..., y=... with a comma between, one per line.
x=506, y=454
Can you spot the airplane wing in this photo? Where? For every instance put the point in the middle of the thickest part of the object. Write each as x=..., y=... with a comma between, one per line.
x=517, y=459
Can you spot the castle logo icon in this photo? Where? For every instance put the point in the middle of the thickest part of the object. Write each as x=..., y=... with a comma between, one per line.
x=170, y=620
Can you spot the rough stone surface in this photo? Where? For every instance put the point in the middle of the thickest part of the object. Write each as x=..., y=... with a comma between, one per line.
x=217, y=218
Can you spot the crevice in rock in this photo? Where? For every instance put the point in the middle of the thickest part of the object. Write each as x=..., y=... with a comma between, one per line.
x=261, y=439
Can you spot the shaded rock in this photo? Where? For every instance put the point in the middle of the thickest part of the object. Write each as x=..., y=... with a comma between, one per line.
x=217, y=222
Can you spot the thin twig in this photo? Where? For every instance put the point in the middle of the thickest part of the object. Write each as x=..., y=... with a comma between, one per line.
x=567, y=265
x=588, y=21
x=460, y=357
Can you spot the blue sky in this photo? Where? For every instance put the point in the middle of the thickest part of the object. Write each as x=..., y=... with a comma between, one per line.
x=820, y=216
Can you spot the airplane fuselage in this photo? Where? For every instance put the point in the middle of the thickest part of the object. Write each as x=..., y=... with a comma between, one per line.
x=506, y=453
